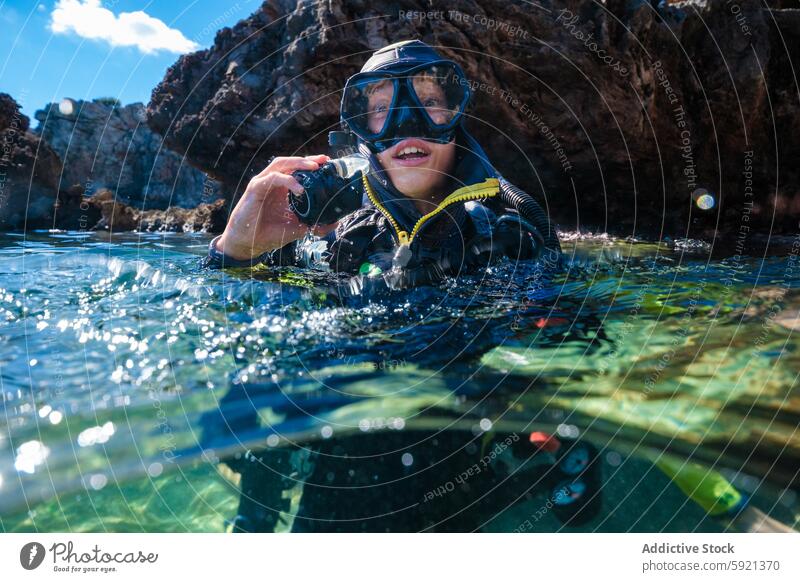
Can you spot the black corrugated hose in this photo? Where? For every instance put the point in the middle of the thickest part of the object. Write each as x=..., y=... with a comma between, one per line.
x=529, y=209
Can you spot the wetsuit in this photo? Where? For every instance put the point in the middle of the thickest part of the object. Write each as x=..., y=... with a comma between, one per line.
x=406, y=481
x=473, y=227
x=470, y=229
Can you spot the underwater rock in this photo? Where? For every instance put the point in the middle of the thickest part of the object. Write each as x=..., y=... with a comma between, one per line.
x=106, y=145
x=618, y=114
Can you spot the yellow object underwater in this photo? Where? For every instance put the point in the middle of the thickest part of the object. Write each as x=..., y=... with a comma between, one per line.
x=704, y=486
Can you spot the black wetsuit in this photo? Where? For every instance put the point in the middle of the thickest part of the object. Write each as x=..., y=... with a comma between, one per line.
x=360, y=483
x=407, y=481
x=459, y=238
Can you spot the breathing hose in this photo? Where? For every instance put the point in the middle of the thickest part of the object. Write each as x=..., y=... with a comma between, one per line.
x=529, y=209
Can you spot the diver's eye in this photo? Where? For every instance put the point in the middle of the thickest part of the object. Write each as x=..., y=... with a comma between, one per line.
x=432, y=102
x=379, y=109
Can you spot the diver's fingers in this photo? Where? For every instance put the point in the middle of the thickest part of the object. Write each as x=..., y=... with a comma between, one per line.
x=273, y=181
x=287, y=165
x=319, y=158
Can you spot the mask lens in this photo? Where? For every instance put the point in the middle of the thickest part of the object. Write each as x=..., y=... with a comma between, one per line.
x=366, y=104
x=441, y=91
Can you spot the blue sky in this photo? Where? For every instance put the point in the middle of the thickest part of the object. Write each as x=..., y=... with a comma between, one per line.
x=85, y=49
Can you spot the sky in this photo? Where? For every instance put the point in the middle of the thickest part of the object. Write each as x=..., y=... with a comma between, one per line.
x=85, y=49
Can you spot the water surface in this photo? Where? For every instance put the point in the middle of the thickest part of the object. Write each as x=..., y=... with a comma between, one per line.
x=117, y=353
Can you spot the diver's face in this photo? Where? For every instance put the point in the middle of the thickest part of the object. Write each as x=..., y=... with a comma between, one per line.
x=417, y=168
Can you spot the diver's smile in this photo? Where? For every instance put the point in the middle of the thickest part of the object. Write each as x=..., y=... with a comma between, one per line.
x=411, y=152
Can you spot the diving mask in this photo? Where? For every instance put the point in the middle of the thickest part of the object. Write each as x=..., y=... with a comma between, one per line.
x=385, y=106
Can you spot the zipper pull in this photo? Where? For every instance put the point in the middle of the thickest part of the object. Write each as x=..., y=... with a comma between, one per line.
x=403, y=253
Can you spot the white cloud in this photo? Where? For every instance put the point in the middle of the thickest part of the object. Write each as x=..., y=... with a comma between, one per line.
x=88, y=19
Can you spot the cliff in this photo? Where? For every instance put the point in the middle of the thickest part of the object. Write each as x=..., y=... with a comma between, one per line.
x=29, y=171
x=619, y=115
x=107, y=146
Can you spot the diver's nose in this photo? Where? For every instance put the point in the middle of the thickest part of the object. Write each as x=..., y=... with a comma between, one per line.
x=407, y=122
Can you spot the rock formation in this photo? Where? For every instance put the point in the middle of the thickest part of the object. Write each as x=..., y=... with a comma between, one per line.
x=621, y=115
x=116, y=216
x=105, y=145
x=29, y=171
x=33, y=194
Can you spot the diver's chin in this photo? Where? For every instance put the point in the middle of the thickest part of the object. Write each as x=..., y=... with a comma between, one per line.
x=411, y=188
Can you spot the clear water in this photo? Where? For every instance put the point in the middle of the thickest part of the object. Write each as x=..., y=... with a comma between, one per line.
x=116, y=351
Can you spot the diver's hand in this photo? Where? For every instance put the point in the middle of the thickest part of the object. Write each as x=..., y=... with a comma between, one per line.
x=262, y=220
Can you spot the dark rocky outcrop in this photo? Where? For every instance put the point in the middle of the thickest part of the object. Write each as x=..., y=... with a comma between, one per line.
x=619, y=110
x=29, y=171
x=105, y=145
x=30, y=197
x=39, y=191
x=116, y=216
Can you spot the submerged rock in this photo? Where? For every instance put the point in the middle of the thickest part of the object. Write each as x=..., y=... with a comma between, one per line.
x=618, y=113
x=105, y=145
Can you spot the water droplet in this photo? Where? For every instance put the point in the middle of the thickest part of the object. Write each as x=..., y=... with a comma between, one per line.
x=30, y=455
x=98, y=481
x=96, y=434
x=407, y=459
x=703, y=199
x=116, y=376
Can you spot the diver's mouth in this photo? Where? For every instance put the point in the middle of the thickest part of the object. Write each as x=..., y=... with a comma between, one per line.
x=411, y=152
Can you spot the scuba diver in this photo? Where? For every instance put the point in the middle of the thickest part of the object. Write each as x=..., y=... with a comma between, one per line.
x=414, y=199
x=417, y=199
